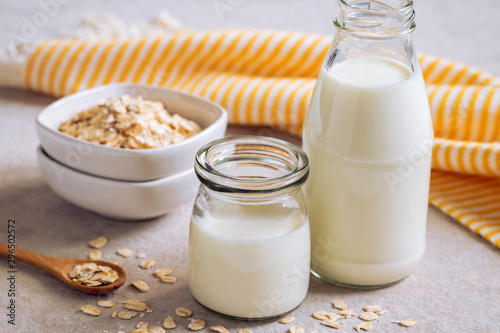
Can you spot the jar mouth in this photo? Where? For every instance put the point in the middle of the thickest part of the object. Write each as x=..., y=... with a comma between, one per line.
x=376, y=19
x=390, y=9
x=251, y=164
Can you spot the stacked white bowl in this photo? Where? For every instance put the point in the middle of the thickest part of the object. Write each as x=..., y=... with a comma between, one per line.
x=125, y=184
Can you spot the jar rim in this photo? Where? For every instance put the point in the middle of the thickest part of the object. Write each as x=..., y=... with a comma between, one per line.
x=282, y=150
x=408, y=5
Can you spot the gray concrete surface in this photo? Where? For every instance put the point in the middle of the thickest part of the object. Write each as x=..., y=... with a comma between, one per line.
x=456, y=287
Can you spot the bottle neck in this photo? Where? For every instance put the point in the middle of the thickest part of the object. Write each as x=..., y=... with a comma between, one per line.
x=384, y=19
x=374, y=27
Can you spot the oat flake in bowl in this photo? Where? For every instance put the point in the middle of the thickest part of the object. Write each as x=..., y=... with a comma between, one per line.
x=125, y=164
x=129, y=122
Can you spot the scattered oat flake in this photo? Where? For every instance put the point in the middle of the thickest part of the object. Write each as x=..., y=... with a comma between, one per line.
x=333, y=316
x=141, y=285
x=287, y=320
x=368, y=316
x=313, y=331
x=320, y=314
x=169, y=323
x=99, y=242
x=127, y=314
x=347, y=313
x=113, y=315
x=148, y=263
x=156, y=330
x=219, y=328
x=296, y=329
x=90, y=310
x=125, y=253
x=363, y=326
x=140, y=255
x=196, y=324
x=408, y=322
x=168, y=279
x=339, y=304
x=141, y=330
x=245, y=330
x=136, y=305
x=105, y=304
x=330, y=323
x=95, y=255
x=183, y=312
x=163, y=272
x=141, y=324
x=372, y=308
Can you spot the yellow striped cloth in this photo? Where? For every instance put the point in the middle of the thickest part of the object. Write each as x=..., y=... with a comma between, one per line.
x=266, y=78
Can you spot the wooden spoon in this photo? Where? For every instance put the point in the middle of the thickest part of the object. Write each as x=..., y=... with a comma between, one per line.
x=60, y=268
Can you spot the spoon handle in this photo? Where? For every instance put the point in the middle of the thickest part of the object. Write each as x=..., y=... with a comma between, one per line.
x=28, y=257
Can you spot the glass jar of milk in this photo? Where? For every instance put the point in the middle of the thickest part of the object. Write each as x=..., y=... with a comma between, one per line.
x=249, y=240
x=368, y=136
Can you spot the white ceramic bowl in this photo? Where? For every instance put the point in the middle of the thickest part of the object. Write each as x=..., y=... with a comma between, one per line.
x=129, y=164
x=118, y=199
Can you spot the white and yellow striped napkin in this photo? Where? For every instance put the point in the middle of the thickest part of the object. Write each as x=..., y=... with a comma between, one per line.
x=267, y=77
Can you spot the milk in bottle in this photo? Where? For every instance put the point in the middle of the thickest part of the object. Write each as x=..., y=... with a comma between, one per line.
x=368, y=136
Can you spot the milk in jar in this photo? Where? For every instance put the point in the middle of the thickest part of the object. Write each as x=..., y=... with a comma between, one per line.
x=243, y=264
x=249, y=239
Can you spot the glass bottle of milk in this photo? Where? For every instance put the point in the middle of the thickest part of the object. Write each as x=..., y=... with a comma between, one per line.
x=249, y=240
x=368, y=136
